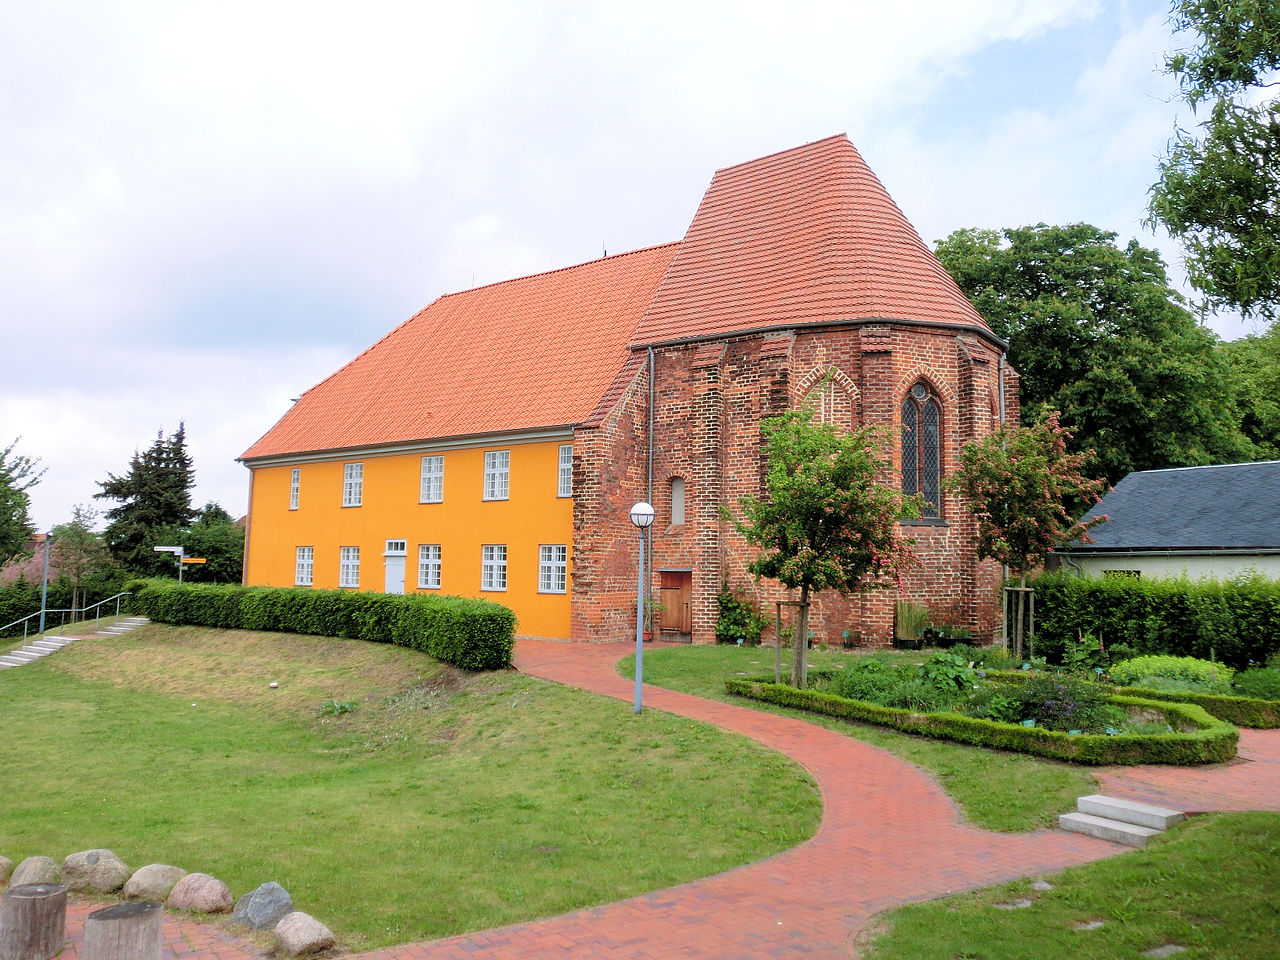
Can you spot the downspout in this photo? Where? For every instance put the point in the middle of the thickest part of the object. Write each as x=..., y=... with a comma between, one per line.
x=648, y=533
x=1074, y=563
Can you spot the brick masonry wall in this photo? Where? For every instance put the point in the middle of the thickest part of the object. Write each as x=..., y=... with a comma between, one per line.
x=709, y=401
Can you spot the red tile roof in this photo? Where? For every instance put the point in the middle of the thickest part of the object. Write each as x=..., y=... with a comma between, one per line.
x=808, y=235
x=535, y=352
x=805, y=236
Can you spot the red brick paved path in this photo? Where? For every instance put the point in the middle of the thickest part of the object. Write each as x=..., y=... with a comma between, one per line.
x=889, y=835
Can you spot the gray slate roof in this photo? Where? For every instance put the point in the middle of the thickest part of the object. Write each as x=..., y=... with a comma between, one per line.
x=1234, y=506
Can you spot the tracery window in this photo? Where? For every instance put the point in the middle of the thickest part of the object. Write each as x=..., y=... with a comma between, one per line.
x=921, y=453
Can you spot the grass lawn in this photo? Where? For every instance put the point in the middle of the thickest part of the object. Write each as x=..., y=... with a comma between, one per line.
x=995, y=790
x=444, y=802
x=1210, y=885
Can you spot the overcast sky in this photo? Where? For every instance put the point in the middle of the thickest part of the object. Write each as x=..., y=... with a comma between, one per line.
x=205, y=208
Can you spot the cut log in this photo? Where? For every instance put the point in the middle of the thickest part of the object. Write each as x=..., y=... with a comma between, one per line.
x=33, y=921
x=127, y=931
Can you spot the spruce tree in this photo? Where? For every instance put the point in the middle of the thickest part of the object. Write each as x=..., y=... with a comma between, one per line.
x=154, y=495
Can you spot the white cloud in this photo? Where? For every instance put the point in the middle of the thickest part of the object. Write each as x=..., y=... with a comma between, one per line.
x=235, y=198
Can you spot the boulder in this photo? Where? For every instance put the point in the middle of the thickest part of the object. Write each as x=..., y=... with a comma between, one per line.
x=200, y=893
x=262, y=909
x=94, y=871
x=6, y=868
x=300, y=933
x=36, y=870
x=153, y=882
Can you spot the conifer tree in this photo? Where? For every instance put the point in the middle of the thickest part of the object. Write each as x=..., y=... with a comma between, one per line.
x=154, y=495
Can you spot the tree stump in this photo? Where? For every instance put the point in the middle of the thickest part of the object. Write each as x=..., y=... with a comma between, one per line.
x=33, y=921
x=127, y=931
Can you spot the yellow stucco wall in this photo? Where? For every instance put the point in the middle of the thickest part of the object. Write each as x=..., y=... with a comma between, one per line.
x=533, y=515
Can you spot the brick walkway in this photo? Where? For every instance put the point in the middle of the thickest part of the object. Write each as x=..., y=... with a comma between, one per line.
x=889, y=835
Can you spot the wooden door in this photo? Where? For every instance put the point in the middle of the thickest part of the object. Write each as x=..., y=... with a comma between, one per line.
x=676, y=596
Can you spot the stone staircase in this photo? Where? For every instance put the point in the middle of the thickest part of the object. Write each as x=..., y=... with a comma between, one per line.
x=1121, y=821
x=49, y=643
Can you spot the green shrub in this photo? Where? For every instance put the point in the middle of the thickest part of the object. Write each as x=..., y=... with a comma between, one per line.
x=921, y=696
x=1066, y=703
x=739, y=620
x=994, y=702
x=1261, y=683
x=870, y=679
x=1215, y=677
x=1234, y=622
x=947, y=671
x=472, y=634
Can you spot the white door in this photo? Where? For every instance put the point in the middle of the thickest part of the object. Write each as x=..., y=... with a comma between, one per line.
x=393, y=562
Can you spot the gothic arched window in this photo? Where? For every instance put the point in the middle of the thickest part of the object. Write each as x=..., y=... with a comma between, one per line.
x=921, y=454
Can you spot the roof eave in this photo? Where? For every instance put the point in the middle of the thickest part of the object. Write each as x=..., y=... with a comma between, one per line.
x=982, y=332
x=424, y=445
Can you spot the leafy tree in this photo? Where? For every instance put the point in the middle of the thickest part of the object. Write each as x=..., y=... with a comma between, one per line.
x=1253, y=365
x=1020, y=484
x=215, y=537
x=78, y=552
x=18, y=474
x=1096, y=332
x=154, y=495
x=1219, y=192
x=826, y=523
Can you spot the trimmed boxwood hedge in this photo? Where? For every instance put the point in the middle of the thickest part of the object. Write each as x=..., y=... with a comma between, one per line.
x=1213, y=741
x=1242, y=711
x=1236, y=622
x=468, y=633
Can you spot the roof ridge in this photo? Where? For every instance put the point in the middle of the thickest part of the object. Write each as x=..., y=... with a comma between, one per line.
x=779, y=153
x=547, y=273
x=1208, y=466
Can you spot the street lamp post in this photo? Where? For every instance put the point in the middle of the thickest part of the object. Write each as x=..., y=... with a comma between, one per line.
x=44, y=582
x=642, y=517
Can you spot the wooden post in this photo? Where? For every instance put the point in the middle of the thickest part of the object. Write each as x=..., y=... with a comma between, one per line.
x=127, y=931
x=33, y=921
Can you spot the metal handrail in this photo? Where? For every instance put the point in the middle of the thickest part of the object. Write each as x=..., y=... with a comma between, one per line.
x=25, y=621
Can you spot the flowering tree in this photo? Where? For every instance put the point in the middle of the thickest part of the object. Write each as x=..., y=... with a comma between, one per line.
x=1021, y=484
x=825, y=523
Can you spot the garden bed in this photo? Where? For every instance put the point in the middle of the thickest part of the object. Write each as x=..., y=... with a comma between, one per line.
x=1241, y=711
x=1201, y=738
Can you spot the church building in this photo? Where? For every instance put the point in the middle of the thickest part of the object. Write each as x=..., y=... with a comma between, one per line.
x=493, y=444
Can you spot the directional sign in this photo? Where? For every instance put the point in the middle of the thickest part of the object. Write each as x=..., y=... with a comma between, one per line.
x=193, y=559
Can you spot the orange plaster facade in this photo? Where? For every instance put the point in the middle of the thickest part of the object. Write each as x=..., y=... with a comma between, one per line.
x=532, y=516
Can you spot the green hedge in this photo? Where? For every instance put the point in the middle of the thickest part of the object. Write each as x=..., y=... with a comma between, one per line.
x=1236, y=622
x=472, y=634
x=1213, y=741
x=1242, y=711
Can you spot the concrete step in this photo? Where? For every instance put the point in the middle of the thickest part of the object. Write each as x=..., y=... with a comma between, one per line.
x=1130, y=811
x=136, y=621
x=65, y=641
x=35, y=651
x=1117, y=831
x=9, y=660
x=50, y=645
x=22, y=655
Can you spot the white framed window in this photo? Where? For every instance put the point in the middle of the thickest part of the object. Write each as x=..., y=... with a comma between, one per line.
x=497, y=473
x=493, y=566
x=303, y=568
x=396, y=548
x=349, y=567
x=432, y=487
x=352, y=484
x=565, y=486
x=295, y=483
x=677, y=501
x=429, y=566
x=553, y=568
